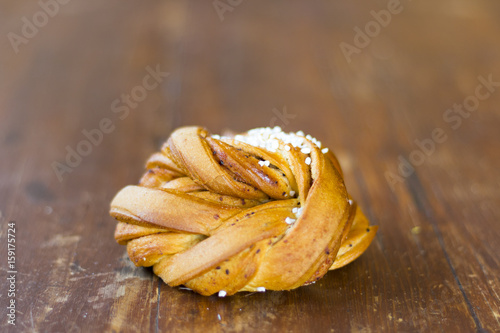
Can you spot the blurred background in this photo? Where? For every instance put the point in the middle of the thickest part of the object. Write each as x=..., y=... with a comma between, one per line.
x=406, y=93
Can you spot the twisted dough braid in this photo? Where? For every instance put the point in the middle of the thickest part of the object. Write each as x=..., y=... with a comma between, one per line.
x=263, y=210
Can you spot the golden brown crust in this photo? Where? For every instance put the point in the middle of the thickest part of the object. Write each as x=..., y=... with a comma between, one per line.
x=223, y=214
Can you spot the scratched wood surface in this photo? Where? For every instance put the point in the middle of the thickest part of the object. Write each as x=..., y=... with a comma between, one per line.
x=389, y=103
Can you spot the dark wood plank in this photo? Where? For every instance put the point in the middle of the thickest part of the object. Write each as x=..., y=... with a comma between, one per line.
x=71, y=278
x=434, y=265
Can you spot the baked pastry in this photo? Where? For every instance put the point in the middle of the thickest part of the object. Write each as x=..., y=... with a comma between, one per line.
x=261, y=210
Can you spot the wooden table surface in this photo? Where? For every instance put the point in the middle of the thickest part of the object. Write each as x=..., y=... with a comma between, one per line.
x=406, y=93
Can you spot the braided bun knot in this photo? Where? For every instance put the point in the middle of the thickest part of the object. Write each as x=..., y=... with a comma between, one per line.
x=261, y=210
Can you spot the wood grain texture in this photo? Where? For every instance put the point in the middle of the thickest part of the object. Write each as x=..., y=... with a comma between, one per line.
x=435, y=263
